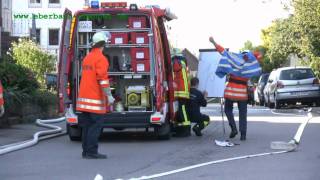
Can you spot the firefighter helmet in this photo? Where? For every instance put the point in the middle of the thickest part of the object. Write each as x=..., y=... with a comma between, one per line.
x=101, y=36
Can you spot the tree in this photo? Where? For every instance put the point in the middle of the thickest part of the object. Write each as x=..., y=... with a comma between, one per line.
x=306, y=24
x=247, y=46
x=298, y=34
x=29, y=55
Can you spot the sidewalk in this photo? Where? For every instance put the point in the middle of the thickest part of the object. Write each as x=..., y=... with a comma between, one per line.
x=20, y=132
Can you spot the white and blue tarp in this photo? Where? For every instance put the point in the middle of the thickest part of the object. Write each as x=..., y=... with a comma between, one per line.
x=234, y=64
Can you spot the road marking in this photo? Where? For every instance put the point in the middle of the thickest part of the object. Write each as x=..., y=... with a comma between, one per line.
x=204, y=164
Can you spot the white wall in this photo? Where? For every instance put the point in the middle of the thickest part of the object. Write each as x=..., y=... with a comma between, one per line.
x=22, y=26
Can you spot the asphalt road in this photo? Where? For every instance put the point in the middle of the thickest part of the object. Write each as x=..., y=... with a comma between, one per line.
x=135, y=154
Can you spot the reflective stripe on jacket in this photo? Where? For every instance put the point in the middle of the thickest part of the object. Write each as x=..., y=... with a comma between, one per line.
x=94, y=77
x=1, y=95
x=181, y=83
x=236, y=89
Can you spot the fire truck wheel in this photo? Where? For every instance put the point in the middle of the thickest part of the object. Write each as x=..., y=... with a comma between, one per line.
x=163, y=132
x=74, y=132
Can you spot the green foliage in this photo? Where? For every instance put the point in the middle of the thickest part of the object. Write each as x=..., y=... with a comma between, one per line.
x=29, y=55
x=18, y=82
x=15, y=76
x=306, y=23
x=298, y=34
x=247, y=46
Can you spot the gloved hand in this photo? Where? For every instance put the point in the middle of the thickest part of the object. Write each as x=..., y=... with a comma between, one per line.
x=110, y=99
x=1, y=111
x=212, y=40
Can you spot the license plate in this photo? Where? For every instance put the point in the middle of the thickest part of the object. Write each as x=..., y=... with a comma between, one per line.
x=299, y=93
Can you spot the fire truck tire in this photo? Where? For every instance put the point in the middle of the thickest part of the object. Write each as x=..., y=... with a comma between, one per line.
x=74, y=132
x=163, y=132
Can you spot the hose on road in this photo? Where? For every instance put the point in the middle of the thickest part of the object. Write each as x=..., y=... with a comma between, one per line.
x=53, y=131
x=286, y=149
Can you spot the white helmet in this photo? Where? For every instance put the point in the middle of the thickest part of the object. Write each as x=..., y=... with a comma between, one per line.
x=101, y=36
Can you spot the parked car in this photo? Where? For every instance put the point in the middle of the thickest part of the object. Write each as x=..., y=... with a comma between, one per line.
x=51, y=81
x=251, y=89
x=259, y=99
x=291, y=85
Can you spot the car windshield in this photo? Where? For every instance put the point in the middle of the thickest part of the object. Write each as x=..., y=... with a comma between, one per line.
x=296, y=74
x=264, y=78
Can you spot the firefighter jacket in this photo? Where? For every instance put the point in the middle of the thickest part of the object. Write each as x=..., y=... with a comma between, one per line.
x=196, y=101
x=180, y=75
x=1, y=95
x=94, y=77
x=236, y=89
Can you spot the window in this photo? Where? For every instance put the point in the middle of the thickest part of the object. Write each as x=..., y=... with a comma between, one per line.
x=38, y=35
x=53, y=37
x=34, y=3
x=6, y=4
x=296, y=74
x=54, y=3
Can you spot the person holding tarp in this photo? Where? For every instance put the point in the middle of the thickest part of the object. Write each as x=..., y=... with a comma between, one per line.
x=239, y=68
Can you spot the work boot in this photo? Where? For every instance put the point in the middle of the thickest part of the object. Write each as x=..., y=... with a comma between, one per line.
x=196, y=130
x=233, y=134
x=234, y=131
x=243, y=136
x=95, y=156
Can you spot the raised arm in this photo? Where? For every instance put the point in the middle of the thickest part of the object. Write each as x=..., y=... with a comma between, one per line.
x=219, y=48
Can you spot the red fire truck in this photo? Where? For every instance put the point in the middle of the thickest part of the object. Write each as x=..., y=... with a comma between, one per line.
x=140, y=69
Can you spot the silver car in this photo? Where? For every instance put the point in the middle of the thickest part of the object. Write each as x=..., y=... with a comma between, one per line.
x=290, y=85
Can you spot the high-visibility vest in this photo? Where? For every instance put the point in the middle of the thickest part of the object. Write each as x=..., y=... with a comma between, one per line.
x=180, y=75
x=236, y=89
x=1, y=95
x=91, y=97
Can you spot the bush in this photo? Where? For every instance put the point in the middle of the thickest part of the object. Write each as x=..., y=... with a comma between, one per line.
x=29, y=55
x=24, y=100
x=17, y=81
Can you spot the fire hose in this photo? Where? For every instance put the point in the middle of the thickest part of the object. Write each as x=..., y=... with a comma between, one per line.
x=283, y=147
x=53, y=131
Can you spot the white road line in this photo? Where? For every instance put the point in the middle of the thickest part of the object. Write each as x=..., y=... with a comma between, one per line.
x=204, y=164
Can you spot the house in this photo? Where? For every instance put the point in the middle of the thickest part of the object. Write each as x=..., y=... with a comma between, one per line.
x=5, y=25
x=192, y=62
x=48, y=15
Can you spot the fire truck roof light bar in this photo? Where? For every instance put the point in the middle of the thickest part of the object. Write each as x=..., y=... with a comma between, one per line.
x=113, y=4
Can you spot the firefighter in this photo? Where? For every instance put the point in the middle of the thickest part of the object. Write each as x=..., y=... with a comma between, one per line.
x=1, y=101
x=181, y=94
x=197, y=99
x=236, y=91
x=94, y=96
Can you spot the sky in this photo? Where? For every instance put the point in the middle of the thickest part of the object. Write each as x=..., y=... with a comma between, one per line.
x=230, y=22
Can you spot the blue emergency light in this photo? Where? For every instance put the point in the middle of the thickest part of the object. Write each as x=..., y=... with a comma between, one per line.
x=94, y=4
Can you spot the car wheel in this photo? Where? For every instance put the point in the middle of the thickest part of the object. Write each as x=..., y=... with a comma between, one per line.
x=74, y=132
x=265, y=102
x=277, y=104
x=163, y=132
x=261, y=102
x=270, y=105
